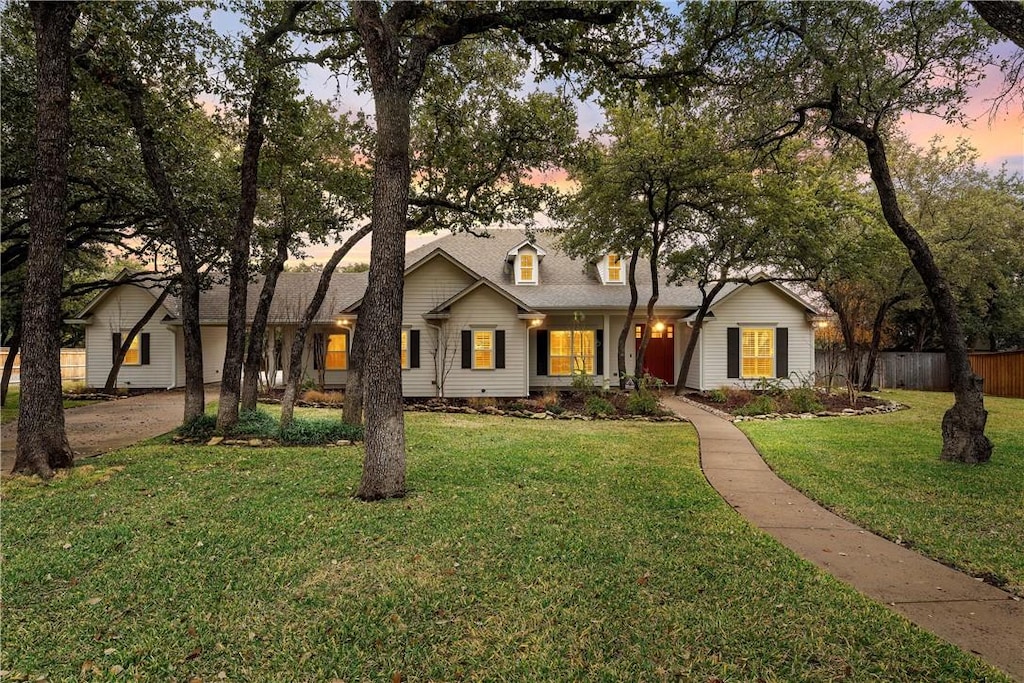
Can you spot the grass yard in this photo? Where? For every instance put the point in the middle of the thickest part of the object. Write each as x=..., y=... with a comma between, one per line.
x=9, y=413
x=883, y=472
x=526, y=551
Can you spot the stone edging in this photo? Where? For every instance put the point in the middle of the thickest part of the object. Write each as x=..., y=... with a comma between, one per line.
x=546, y=415
x=890, y=407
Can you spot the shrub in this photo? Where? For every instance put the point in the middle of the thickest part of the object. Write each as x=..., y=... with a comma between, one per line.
x=334, y=398
x=551, y=397
x=597, y=405
x=773, y=386
x=201, y=427
x=516, y=406
x=555, y=409
x=319, y=431
x=759, y=405
x=478, y=402
x=718, y=396
x=642, y=402
x=255, y=423
x=583, y=383
x=804, y=400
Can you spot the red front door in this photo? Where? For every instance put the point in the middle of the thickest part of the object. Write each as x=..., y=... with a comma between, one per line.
x=659, y=361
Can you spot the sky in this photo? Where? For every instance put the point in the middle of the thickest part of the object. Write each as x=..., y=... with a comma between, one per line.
x=998, y=137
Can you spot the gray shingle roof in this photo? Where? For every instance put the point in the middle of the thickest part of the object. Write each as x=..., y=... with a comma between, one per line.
x=564, y=282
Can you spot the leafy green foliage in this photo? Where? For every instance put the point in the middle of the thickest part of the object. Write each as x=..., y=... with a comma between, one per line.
x=642, y=402
x=804, y=400
x=718, y=396
x=200, y=427
x=598, y=405
x=317, y=431
x=760, y=404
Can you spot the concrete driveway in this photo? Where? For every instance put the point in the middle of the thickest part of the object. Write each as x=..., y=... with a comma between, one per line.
x=108, y=425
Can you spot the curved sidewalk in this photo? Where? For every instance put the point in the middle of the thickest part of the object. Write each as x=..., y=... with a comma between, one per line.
x=973, y=615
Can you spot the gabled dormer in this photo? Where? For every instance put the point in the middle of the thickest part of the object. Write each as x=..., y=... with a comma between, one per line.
x=525, y=258
x=611, y=269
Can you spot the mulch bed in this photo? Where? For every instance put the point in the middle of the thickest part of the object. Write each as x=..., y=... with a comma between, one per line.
x=833, y=403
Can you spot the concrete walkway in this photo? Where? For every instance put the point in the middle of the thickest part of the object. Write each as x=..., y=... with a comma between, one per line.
x=975, y=616
x=107, y=425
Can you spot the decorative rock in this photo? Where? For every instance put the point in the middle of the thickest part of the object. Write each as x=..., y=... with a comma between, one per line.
x=538, y=416
x=215, y=441
x=343, y=442
x=255, y=442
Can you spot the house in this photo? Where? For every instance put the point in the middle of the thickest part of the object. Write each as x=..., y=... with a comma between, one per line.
x=498, y=316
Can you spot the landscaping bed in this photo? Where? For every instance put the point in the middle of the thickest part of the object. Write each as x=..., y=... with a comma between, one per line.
x=260, y=428
x=791, y=402
x=584, y=404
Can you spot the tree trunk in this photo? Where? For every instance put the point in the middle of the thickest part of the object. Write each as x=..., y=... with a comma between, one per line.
x=646, y=338
x=1005, y=16
x=381, y=311
x=876, y=342
x=258, y=329
x=846, y=328
x=238, y=271
x=291, y=385
x=963, y=425
x=691, y=344
x=627, y=329
x=42, y=442
x=126, y=343
x=182, y=235
x=352, y=412
x=12, y=352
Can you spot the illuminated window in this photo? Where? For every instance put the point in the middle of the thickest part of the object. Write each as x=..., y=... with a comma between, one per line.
x=665, y=331
x=758, y=352
x=134, y=354
x=405, y=349
x=336, y=356
x=614, y=268
x=571, y=352
x=483, y=349
x=526, y=268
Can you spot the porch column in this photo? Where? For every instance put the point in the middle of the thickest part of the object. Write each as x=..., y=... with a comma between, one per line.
x=286, y=348
x=606, y=351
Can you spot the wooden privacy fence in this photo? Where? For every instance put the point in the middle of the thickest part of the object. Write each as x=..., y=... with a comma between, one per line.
x=1003, y=371
x=72, y=365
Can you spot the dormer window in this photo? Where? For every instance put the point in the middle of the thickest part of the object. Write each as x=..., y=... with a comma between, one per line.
x=614, y=268
x=525, y=258
x=609, y=269
x=526, y=268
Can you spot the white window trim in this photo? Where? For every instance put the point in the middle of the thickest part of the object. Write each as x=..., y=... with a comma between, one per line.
x=473, y=332
x=137, y=345
x=775, y=352
x=407, y=337
x=608, y=271
x=519, y=268
x=572, y=354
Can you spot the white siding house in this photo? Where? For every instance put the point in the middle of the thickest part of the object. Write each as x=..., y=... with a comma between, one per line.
x=499, y=316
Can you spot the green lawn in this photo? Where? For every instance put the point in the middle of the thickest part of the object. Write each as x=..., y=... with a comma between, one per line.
x=9, y=412
x=883, y=472
x=525, y=551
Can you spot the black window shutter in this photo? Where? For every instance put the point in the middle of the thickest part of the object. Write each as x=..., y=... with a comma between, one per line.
x=599, y=350
x=414, y=348
x=499, y=349
x=542, y=352
x=116, y=342
x=732, y=363
x=782, y=352
x=144, y=346
x=467, y=349
x=318, y=342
